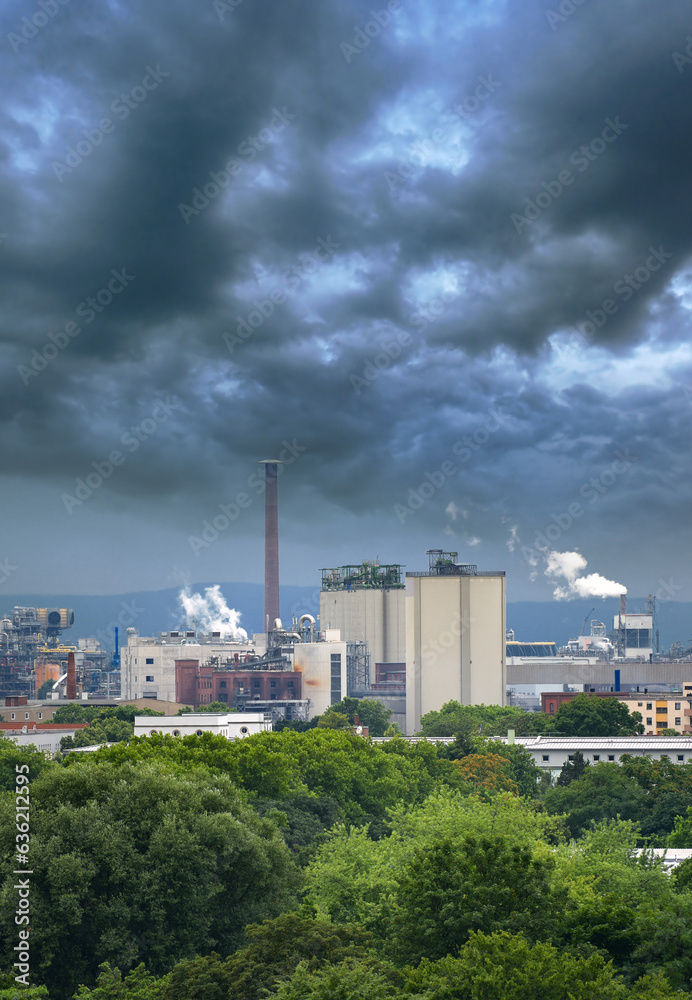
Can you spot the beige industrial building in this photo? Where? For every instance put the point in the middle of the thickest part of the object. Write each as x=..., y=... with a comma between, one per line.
x=375, y=615
x=455, y=637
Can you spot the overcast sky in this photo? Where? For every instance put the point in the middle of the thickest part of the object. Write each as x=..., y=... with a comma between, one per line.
x=439, y=260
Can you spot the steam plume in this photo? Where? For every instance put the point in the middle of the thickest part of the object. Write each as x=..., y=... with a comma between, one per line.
x=568, y=566
x=211, y=613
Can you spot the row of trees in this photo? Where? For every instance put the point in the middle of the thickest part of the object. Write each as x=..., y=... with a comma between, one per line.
x=147, y=869
x=115, y=724
x=318, y=864
x=581, y=716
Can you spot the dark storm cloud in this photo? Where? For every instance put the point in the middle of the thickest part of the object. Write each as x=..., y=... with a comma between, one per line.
x=433, y=296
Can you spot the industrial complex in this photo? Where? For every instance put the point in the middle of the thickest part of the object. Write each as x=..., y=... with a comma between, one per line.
x=412, y=640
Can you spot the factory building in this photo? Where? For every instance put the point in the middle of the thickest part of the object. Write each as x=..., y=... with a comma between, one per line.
x=455, y=637
x=296, y=673
x=366, y=603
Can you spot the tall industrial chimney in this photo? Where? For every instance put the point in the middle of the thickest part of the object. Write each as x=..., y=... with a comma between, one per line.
x=271, y=544
x=71, y=680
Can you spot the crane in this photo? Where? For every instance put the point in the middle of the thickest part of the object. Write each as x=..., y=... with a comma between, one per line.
x=585, y=620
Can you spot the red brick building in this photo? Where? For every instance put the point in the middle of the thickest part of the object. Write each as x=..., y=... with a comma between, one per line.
x=200, y=685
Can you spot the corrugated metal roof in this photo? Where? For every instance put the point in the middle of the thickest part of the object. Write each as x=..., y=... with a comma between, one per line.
x=614, y=742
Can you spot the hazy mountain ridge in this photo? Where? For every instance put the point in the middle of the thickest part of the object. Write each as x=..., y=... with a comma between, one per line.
x=160, y=610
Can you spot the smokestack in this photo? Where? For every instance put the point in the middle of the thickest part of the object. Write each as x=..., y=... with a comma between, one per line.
x=271, y=544
x=623, y=604
x=71, y=681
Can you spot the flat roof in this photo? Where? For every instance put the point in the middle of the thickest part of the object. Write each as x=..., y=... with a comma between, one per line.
x=217, y=718
x=613, y=742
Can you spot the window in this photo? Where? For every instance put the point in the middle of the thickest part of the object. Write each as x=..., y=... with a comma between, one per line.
x=289, y=684
x=273, y=697
x=677, y=722
x=661, y=711
x=551, y=708
x=597, y=756
x=336, y=677
x=639, y=704
x=677, y=706
x=546, y=757
x=611, y=756
x=681, y=756
x=150, y=677
x=223, y=696
x=272, y=684
x=570, y=756
x=198, y=732
x=256, y=684
x=244, y=730
x=176, y=732
x=222, y=684
x=648, y=722
x=135, y=676
x=26, y=715
x=40, y=715
x=149, y=659
x=649, y=706
x=13, y=716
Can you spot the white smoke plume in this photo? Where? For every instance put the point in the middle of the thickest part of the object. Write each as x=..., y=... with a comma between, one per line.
x=568, y=566
x=211, y=613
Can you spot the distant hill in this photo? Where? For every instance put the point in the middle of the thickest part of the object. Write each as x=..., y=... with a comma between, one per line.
x=159, y=611
x=562, y=620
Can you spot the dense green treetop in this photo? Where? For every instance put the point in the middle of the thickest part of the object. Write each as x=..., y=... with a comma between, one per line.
x=13, y=756
x=92, y=713
x=454, y=719
x=371, y=713
x=365, y=779
x=503, y=966
x=137, y=863
x=581, y=716
x=589, y=716
x=604, y=791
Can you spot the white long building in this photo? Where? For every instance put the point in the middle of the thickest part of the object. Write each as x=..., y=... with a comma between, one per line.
x=232, y=725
